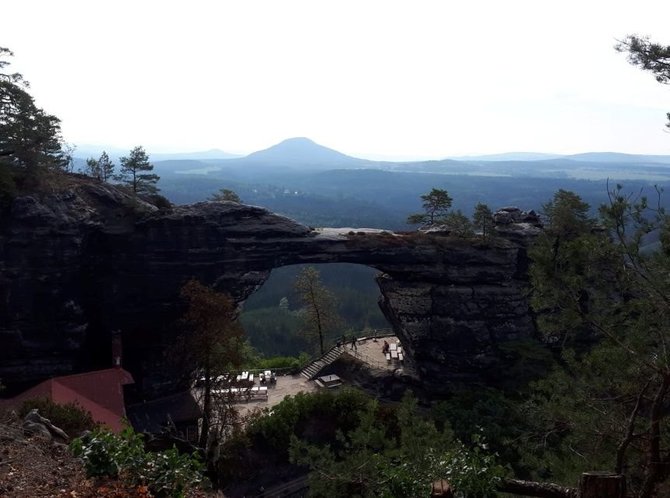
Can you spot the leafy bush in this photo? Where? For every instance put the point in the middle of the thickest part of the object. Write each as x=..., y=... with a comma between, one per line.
x=70, y=417
x=160, y=201
x=397, y=454
x=295, y=415
x=292, y=363
x=7, y=187
x=166, y=473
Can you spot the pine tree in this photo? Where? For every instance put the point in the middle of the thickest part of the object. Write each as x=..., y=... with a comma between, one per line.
x=30, y=139
x=225, y=194
x=436, y=204
x=106, y=167
x=483, y=219
x=319, y=306
x=135, y=170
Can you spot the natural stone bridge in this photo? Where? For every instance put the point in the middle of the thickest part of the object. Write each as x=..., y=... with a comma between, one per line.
x=77, y=266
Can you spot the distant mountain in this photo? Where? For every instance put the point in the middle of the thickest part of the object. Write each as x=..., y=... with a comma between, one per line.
x=618, y=157
x=304, y=152
x=509, y=156
x=207, y=154
x=85, y=151
x=177, y=166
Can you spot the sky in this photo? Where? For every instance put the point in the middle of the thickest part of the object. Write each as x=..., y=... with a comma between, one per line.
x=378, y=79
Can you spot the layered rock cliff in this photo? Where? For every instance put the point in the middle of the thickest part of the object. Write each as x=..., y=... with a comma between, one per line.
x=76, y=266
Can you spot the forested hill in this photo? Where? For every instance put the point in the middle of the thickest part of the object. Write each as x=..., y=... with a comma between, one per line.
x=381, y=199
x=323, y=187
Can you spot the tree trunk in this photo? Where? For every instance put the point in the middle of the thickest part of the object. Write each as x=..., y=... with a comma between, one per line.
x=602, y=485
x=207, y=408
x=539, y=489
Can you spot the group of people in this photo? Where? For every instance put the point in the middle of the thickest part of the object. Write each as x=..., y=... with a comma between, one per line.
x=264, y=379
x=353, y=343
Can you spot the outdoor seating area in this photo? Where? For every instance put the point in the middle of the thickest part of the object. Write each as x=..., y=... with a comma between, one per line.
x=244, y=393
x=393, y=352
x=245, y=386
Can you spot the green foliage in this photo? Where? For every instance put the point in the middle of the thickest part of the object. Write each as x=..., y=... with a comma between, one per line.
x=436, y=205
x=459, y=224
x=213, y=343
x=70, y=417
x=272, y=319
x=169, y=473
x=569, y=259
x=320, y=318
x=274, y=331
x=161, y=202
x=488, y=413
x=135, y=170
x=607, y=300
x=291, y=363
x=166, y=473
x=397, y=459
x=482, y=219
x=225, y=194
x=649, y=56
x=326, y=409
x=8, y=189
x=30, y=139
x=102, y=168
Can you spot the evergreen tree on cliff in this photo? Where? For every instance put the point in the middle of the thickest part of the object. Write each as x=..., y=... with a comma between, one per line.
x=136, y=172
x=101, y=168
x=225, y=194
x=436, y=205
x=30, y=139
x=602, y=298
x=483, y=219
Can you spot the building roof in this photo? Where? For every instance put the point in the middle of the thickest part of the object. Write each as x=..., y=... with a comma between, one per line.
x=100, y=392
x=151, y=416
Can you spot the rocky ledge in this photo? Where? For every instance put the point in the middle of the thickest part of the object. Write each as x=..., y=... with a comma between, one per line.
x=76, y=266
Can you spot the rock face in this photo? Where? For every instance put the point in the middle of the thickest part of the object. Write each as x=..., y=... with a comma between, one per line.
x=74, y=267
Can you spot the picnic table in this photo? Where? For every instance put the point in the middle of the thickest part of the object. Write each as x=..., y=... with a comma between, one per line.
x=238, y=394
x=329, y=381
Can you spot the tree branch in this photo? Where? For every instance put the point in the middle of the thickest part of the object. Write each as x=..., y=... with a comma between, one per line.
x=654, y=454
x=538, y=489
x=621, y=449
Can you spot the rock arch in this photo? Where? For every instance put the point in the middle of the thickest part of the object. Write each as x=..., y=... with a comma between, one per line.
x=451, y=301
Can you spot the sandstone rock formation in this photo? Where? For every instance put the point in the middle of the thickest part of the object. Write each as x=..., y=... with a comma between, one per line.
x=76, y=266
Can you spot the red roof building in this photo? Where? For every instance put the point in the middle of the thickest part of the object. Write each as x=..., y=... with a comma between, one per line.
x=99, y=392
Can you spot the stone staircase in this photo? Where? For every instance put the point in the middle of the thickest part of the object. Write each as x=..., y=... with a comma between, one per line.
x=313, y=369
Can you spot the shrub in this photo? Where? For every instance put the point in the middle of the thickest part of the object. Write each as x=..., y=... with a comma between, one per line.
x=291, y=363
x=70, y=417
x=7, y=187
x=165, y=473
x=161, y=202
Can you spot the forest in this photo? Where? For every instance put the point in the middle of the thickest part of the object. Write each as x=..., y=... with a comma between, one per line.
x=590, y=393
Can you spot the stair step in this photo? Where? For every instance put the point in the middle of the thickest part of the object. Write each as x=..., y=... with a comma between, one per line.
x=315, y=367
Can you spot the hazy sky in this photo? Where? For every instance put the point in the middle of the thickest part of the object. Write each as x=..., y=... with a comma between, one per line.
x=413, y=78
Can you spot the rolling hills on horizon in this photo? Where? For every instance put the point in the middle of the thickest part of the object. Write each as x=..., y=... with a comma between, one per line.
x=302, y=151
